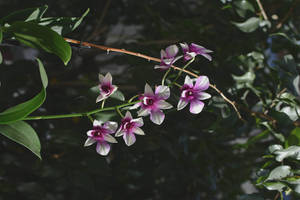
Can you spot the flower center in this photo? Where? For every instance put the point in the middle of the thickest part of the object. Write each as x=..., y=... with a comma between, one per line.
x=105, y=88
x=148, y=101
x=128, y=125
x=189, y=93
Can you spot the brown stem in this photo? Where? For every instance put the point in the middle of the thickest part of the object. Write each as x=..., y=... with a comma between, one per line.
x=108, y=49
x=262, y=10
x=289, y=13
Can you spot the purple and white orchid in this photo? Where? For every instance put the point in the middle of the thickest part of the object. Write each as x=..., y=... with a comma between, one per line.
x=168, y=57
x=101, y=134
x=190, y=51
x=106, y=88
x=194, y=94
x=129, y=127
x=153, y=102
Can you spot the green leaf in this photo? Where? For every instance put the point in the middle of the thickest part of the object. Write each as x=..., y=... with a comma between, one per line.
x=292, y=151
x=37, y=36
x=22, y=110
x=242, y=7
x=118, y=95
x=24, y=134
x=280, y=173
x=294, y=138
x=279, y=136
x=275, y=186
x=63, y=25
x=28, y=14
x=249, y=25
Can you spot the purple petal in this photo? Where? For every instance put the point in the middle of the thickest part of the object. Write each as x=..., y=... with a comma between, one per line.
x=128, y=115
x=89, y=142
x=110, y=138
x=143, y=112
x=203, y=96
x=90, y=133
x=163, y=54
x=163, y=67
x=187, y=57
x=129, y=139
x=188, y=81
x=172, y=50
x=138, y=122
x=181, y=104
x=138, y=131
x=148, y=90
x=168, y=61
x=207, y=56
x=103, y=148
x=164, y=105
x=157, y=117
x=185, y=47
x=97, y=123
x=202, y=83
x=196, y=106
x=120, y=132
x=162, y=91
x=107, y=79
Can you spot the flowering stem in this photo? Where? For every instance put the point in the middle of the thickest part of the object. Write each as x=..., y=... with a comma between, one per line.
x=165, y=76
x=90, y=118
x=87, y=44
x=131, y=99
x=103, y=103
x=180, y=72
x=84, y=114
x=119, y=112
x=177, y=84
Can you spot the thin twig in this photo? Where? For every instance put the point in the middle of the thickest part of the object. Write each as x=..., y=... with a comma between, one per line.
x=274, y=100
x=277, y=195
x=288, y=14
x=262, y=10
x=108, y=49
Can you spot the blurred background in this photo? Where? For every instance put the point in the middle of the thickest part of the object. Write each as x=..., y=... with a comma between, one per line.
x=188, y=157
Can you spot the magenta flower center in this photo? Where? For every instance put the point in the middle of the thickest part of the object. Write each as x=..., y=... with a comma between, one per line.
x=147, y=101
x=128, y=125
x=105, y=88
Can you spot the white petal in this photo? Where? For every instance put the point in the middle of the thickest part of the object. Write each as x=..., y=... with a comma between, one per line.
x=97, y=123
x=107, y=79
x=112, y=126
x=114, y=89
x=188, y=81
x=161, y=67
x=196, y=106
x=139, y=131
x=139, y=121
x=162, y=91
x=202, y=83
x=164, y=105
x=100, y=98
x=203, y=96
x=135, y=106
x=157, y=117
x=103, y=148
x=110, y=138
x=129, y=139
x=90, y=133
x=119, y=133
x=101, y=77
x=184, y=46
x=172, y=50
x=128, y=115
x=143, y=112
x=181, y=104
x=148, y=90
x=162, y=54
x=89, y=142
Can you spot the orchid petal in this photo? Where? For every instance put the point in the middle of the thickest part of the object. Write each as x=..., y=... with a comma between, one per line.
x=172, y=50
x=107, y=79
x=103, y=148
x=138, y=131
x=162, y=91
x=163, y=54
x=207, y=56
x=143, y=112
x=111, y=126
x=100, y=97
x=203, y=96
x=188, y=81
x=181, y=104
x=135, y=106
x=184, y=47
x=164, y=105
x=114, y=88
x=129, y=139
x=101, y=77
x=202, y=83
x=168, y=61
x=148, y=90
x=97, y=123
x=138, y=122
x=89, y=141
x=196, y=106
x=110, y=138
x=90, y=133
x=163, y=67
x=128, y=115
x=120, y=132
x=157, y=117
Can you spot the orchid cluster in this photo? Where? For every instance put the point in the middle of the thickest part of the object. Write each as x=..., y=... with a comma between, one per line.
x=150, y=102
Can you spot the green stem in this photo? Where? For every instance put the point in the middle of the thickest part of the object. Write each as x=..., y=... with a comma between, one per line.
x=103, y=103
x=90, y=118
x=119, y=112
x=131, y=99
x=180, y=72
x=165, y=76
x=84, y=114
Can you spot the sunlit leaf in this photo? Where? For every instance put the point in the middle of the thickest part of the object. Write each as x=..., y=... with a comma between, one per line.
x=249, y=25
x=279, y=173
x=24, y=134
x=275, y=186
x=118, y=95
x=242, y=7
x=37, y=36
x=292, y=152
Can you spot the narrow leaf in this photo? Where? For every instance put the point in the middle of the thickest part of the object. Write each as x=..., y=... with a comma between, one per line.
x=249, y=25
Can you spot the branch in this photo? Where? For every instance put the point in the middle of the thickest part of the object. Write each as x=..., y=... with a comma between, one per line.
x=289, y=13
x=108, y=49
x=262, y=10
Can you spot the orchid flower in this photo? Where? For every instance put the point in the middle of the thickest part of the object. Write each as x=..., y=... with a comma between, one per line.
x=129, y=127
x=190, y=51
x=168, y=57
x=194, y=94
x=101, y=134
x=106, y=88
x=152, y=103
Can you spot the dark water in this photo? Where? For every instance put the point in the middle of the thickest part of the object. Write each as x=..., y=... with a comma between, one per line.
x=187, y=157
